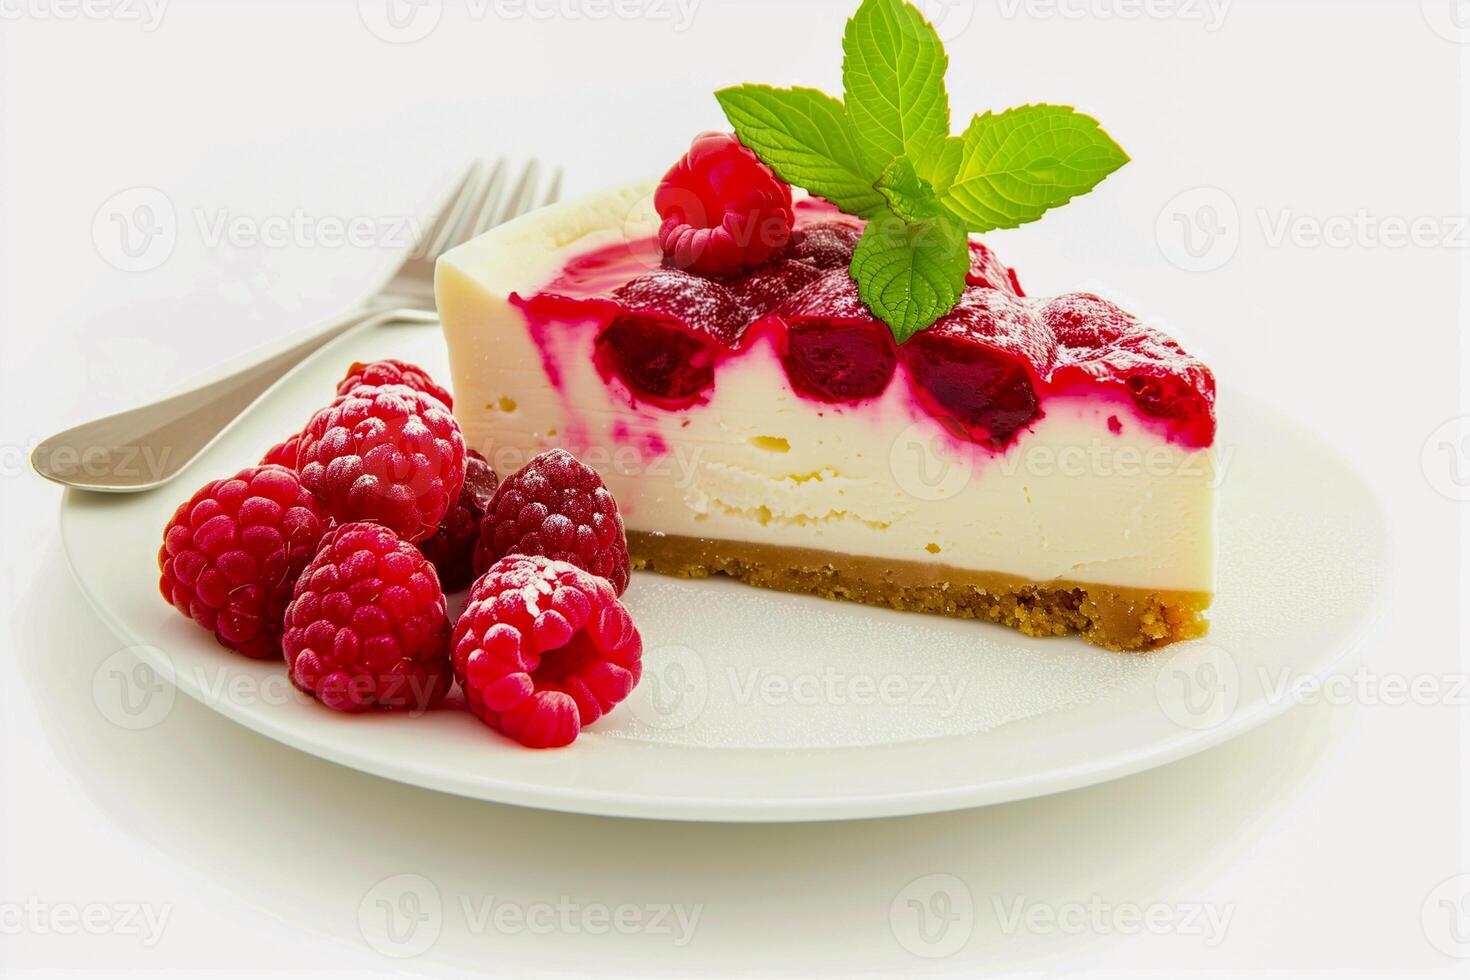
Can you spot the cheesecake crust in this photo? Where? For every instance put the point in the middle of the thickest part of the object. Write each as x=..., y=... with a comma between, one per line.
x=1122, y=619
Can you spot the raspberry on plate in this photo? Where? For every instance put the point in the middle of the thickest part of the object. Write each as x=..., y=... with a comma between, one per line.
x=390, y=454
x=391, y=372
x=722, y=209
x=232, y=552
x=367, y=627
x=558, y=507
x=283, y=453
x=452, y=547
x=544, y=649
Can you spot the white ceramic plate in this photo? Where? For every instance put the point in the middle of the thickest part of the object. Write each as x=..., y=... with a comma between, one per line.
x=758, y=706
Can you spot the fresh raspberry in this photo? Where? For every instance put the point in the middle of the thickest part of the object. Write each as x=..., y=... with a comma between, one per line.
x=1098, y=342
x=556, y=506
x=722, y=210
x=763, y=289
x=283, y=453
x=835, y=350
x=544, y=649
x=367, y=627
x=977, y=367
x=390, y=372
x=825, y=244
x=675, y=327
x=452, y=547
x=988, y=270
x=232, y=553
x=392, y=455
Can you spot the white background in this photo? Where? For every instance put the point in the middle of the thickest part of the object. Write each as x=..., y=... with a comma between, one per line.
x=1321, y=835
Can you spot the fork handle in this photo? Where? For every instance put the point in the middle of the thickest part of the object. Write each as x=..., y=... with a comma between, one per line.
x=145, y=446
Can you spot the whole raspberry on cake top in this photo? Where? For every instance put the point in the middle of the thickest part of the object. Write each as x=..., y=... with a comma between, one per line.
x=722, y=208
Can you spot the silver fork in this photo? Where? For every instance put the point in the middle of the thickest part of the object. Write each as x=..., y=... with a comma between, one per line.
x=146, y=447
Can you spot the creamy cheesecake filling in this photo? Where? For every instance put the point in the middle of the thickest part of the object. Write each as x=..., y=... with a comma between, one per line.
x=1093, y=493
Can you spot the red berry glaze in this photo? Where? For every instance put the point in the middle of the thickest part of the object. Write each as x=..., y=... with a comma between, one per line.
x=392, y=455
x=1099, y=343
x=283, y=453
x=835, y=350
x=763, y=289
x=977, y=368
x=232, y=552
x=391, y=372
x=675, y=326
x=544, y=649
x=558, y=507
x=988, y=270
x=367, y=627
x=452, y=547
x=721, y=208
x=825, y=244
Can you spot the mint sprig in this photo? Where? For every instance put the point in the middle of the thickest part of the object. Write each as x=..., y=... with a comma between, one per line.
x=805, y=137
x=906, y=268
x=893, y=66
x=1017, y=165
x=885, y=153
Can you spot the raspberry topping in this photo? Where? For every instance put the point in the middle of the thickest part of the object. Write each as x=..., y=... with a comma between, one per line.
x=825, y=244
x=722, y=209
x=976, y=368
x=987, y=270
x=283, y=453
x=675, y=327
x=390, y=372
x=1098, y=342
x=986, y=370
x=767, y=287
x=452, y=547
x=367, y=627
x=544, y=649
x=232, y=552
x=558, y=507
x=392, y=455
x=835, y=350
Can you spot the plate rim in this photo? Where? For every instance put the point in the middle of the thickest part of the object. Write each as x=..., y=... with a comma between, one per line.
x=513, y=789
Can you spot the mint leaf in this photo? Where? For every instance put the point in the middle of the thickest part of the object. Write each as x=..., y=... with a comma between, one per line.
x=1020, y=163
x=908, y=195
x=893, y=82
x=940, y=163
x=804, y=136
x=911, y=273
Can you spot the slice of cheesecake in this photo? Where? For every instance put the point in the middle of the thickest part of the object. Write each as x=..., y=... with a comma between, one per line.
x=1046, y=464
